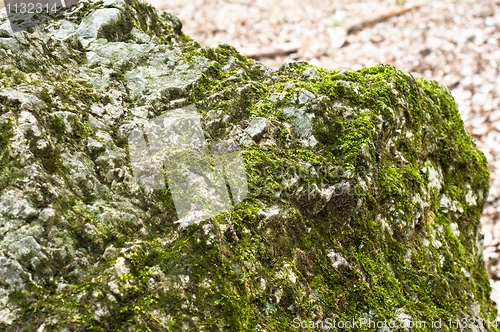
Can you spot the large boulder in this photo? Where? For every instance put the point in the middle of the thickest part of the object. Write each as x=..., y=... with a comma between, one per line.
x=150, y=184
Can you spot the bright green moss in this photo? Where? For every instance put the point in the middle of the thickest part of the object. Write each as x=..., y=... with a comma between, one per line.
x=11, y=77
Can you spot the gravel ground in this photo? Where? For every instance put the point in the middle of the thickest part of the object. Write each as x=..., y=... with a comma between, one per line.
x=454, y=42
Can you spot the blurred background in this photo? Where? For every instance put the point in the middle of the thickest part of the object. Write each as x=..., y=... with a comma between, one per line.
x=456, y=42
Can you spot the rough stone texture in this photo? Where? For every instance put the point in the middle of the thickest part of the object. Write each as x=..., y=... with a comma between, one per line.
x=365, y=191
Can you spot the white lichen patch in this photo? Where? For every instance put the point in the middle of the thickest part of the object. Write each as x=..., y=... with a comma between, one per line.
x=309, y=142
x=206, y=283
x=120, y=266
x=435, y=176
x=47, y=214
x=14, y=205
x=113, y=286
x=302, y=124
x=291, y=181
x=276, y=97
x=101, y=311
x=278, y=294
x=262, y=283
x=305, y=96
x=7, y=313
x=436, y=243
x=400, y=156
x=7, y=317
x=193, y=217
x=405, y=320
x=417, y=199
x=336, y=259
x=24, y=247
x=441, y=260
x=471, y=198
x=28, y=122
x=454, y=229
x=475, y=311
x=286, y=272
x=257, y=127
x=447, y=204
x=272, y=211
x=184, y=280
x=211, y=235
x=207, y=230
x=311, y=74
x=363, y=185
x=408, y=256
x=385, y=225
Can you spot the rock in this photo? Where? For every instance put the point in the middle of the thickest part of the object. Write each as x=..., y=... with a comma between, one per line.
x=103, y=23
x=311, y=74
x=257, y=127
x=339, y=194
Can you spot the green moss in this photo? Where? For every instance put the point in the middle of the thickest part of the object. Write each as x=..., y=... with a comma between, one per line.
x=11, y=77
x=349, y=228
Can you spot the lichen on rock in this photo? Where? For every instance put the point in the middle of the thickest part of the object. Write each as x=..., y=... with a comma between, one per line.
x=363, y=203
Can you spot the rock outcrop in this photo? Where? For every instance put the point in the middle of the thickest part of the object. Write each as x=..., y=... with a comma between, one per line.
x=359, y=200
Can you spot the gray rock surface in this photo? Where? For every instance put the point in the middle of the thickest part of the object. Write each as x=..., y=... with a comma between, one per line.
x=364, y=190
